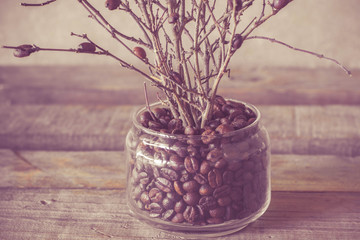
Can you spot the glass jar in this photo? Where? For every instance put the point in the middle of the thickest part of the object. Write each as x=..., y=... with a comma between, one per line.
x=172, y=184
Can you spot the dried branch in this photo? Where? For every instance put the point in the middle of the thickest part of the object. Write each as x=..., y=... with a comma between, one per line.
x=321, y=56
x=37, y=4
x=189, y=77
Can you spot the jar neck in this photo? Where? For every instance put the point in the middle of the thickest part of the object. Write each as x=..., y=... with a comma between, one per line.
x=249, y=130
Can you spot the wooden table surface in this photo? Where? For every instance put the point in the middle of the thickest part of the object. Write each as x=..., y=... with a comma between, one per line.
x=62, y=165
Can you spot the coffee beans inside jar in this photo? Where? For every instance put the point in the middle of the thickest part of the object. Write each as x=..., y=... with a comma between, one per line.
x=182, y=175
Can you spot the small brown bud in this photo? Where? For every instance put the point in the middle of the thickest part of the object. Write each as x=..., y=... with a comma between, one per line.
x=238, y=40
x=112, y=4
x=140, y=52
x=23, y=50
x=279, y=4
x=173, y=18
x=86, y=47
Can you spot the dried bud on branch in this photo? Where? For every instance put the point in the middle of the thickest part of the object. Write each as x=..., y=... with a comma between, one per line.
x=112, y=4
x=23, y=50
x=86, y=47
x=279, y=4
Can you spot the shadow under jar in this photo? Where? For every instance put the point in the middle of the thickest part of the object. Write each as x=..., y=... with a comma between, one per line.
x=204, y=185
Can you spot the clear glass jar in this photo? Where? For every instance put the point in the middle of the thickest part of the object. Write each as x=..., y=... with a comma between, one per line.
x=172, y=185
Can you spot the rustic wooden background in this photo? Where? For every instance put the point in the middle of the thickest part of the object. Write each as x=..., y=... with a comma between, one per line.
x=62, y=172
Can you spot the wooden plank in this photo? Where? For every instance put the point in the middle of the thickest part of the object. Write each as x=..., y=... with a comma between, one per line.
x=102, y=214
x=330, y=129
x=111, y=85
x=107, y=170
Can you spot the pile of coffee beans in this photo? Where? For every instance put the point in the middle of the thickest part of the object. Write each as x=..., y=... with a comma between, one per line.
x=206, y=176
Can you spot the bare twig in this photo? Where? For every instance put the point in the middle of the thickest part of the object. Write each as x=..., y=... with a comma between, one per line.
x=37, y=4
x=273, y=40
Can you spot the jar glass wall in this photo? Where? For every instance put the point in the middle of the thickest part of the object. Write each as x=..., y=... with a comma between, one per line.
x=196, y=185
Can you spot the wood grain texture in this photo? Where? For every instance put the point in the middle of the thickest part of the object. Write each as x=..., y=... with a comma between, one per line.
x=107, y=170
x=62, y=164
x=113, y=86
x=102, y=214
x=330, y=129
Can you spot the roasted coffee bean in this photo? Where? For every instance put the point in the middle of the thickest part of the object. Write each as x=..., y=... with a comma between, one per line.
x=199, y=178
x=222, y=191
x=220, y=164
x=239, y=123
x=176, y=162
x=191, y=198
x=178, y=188
x=140, y=205
x=218, y=212
x=208, y=202
x=175, y=124
x=169, y=214
x=214, y=155
x=205, y=190
x=144, y=198
x=155, y=210
x=228, y=177
x=178, y=218
x=214, y=124
x=202, y=211
x=173, y=196
x=225, y=120
x=224, y=201
x=220, y=100
x=190, y=130
x=155, y=171
x=214, y=220
x=224, y=128
x=150, y=185
x=137, y=191
x=180, y=206
x=218, y=114
x=205, y=168
x=168, y=203
x=185, y=176
x=191, y=164
x=191, y=214
x=236, y=113
x=159, y=112
x=191, y=186
x=208, y=136
x=155, y=195
x=163, y=184
x=215, y=178
x=193, y=151
x=143, y=178
x=155, y=125
x=180, y=149
x=169, y=174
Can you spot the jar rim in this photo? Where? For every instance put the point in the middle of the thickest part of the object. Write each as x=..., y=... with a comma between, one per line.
x=149, y=131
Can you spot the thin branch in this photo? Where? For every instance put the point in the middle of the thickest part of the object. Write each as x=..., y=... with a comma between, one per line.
x=321, y=56
x=37, y=4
